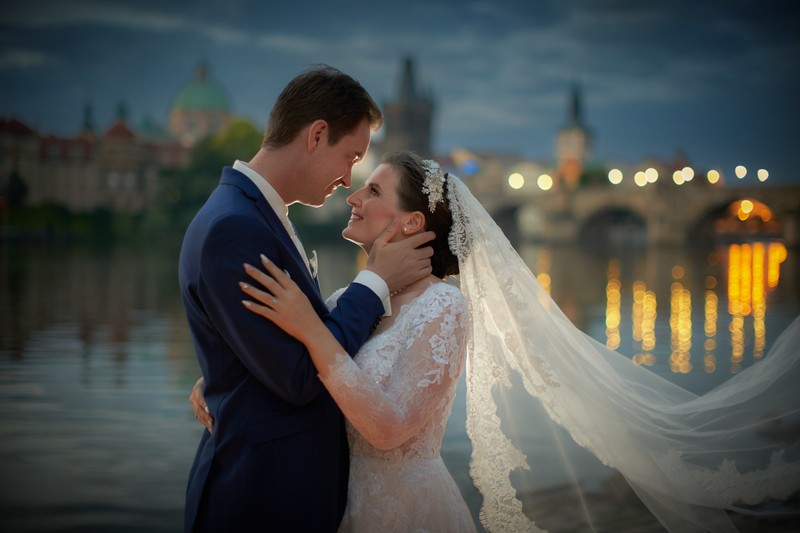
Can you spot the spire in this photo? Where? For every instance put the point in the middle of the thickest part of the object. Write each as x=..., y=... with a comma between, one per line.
x=575, y=119
x=202, y=72
x=408, y=91
x=408, y=117
x=88, y=122
x=122, y=112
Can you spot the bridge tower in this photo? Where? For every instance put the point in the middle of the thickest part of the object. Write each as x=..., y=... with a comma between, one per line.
x=573, y=143
x=408, y=118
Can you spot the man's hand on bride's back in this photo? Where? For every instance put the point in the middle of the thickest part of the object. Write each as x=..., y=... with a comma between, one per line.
x=403, y=262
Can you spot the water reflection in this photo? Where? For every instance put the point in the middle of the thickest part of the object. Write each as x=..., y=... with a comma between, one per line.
x=95, y=365
x=632, y=288
x=643, y=316
x=96, y=360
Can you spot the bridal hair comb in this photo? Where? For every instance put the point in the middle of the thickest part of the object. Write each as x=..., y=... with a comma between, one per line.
x=433, y=184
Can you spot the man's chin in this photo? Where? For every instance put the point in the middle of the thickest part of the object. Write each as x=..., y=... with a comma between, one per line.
x=319, y=202
x=312, y=203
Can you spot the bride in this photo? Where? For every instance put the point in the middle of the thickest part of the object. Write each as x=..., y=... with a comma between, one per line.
x=688, y=458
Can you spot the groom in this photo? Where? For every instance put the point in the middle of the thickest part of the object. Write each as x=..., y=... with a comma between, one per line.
x=277, y=459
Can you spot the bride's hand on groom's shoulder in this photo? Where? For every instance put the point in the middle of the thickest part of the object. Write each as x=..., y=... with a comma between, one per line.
x=281, y=300
x=400, y=263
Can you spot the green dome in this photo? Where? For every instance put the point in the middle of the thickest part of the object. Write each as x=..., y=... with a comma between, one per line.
x=202, y=94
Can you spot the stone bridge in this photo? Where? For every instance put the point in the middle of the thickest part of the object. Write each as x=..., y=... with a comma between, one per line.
x=655, y=214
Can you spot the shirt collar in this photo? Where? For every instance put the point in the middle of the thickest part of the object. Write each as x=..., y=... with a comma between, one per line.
x=270, y=194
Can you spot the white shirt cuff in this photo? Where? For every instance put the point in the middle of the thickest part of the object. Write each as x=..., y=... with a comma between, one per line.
x=376, y=284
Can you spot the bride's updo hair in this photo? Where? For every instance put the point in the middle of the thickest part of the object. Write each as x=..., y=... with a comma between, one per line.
x=411, y=197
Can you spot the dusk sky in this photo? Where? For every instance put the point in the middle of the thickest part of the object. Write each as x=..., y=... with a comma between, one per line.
x=716, y=81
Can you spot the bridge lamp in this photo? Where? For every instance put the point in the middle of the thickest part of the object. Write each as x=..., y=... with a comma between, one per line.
x=545, y=182
x=640, y=179
x=687, y=173
x=615, y=176
x=762, y=174
x=516, y=180
x=651, y=174
x=741, y=171
x=713, y=176
x=678, y=178
x=745, y=208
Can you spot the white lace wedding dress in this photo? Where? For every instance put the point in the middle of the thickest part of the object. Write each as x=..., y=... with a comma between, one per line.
x=397, y=393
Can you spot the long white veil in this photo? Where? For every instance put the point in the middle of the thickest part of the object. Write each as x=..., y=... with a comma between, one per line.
x=687, y=457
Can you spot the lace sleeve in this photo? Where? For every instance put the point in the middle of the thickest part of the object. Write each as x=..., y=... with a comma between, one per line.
x=330, y=303
x=430, y=361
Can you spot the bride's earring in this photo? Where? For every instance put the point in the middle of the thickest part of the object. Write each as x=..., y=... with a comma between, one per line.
x=405, y=230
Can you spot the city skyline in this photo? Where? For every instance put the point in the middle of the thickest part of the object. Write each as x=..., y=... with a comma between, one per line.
x=716, y=85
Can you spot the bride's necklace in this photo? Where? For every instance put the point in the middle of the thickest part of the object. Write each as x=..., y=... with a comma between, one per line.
x=401, y=289
x=398, y=291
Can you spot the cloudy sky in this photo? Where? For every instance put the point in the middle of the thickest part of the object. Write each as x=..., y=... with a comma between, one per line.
x=716, y=81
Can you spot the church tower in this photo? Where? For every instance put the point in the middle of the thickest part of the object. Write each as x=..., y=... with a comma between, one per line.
x=87, y=128
x=573, y=143
x=407, y=120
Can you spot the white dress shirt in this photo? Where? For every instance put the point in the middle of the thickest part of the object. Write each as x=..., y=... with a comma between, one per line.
x=366, y=277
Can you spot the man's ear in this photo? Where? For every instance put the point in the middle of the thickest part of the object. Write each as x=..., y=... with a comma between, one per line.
x=413, y=223
x=317, y=134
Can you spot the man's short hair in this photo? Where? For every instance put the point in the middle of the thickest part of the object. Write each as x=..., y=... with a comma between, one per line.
x=326, y=93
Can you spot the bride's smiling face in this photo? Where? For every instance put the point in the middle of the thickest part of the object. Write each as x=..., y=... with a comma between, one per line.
x=373, y=207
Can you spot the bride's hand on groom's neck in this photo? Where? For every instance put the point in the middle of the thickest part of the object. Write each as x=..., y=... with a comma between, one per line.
x=402, y=262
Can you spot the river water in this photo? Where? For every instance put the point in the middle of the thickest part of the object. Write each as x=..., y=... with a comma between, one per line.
x=96, y=362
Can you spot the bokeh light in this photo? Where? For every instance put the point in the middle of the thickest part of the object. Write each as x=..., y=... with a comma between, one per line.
x=545, y=182
x=470, y=167
x=516, y=180
x=615, y=176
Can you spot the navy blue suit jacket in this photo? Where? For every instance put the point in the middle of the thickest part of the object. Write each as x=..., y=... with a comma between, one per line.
x=278, y=458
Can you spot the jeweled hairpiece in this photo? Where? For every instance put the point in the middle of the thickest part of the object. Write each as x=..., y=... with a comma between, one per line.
x=433, y=185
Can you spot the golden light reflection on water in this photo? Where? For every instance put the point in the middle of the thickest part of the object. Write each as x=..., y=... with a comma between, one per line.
x=543, y=267
x=753, y=269
x=613, y=305
x=711, y=314
x=759, y=300
x=680, y=322
x=776, y=254
x=644, y=322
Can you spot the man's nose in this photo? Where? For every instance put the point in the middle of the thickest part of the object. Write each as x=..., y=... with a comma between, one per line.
x=347, y=179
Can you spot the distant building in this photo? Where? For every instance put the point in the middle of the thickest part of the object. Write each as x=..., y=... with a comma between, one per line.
x=408, y=119
x=573, y=143
x=201, y=108
x=119, y=168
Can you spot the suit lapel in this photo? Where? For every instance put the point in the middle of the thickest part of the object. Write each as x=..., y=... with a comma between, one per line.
x=233, y=177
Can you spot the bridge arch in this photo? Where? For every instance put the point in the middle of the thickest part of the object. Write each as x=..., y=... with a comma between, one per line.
x=738, y=216
x=614, y=226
